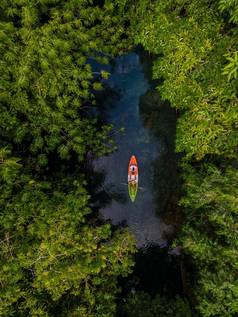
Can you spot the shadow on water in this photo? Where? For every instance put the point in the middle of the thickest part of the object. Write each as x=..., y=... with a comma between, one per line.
x=101, y=194
x=157, y=270
x=131, y=101
x=107, y=99
x=126, y=106
x=160, y=119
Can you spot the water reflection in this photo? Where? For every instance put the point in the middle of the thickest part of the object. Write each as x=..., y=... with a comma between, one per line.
x=149, y=134
x=160, y=119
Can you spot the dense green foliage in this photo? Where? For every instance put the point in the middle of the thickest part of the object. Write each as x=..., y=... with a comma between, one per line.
x=53, y=261
x=143, y=305
x=46, y=75
x=192, y=68
x=211, y=236
x=196, y=47
x=57, y=259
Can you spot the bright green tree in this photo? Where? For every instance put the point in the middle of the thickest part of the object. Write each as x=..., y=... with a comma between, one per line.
x=189, y=36
x=57, y=258
x=53, y=261
x=47, y=81
x=211, y=234
x=195, y=44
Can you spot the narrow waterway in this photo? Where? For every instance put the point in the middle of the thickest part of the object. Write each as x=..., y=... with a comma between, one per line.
x=149, y=131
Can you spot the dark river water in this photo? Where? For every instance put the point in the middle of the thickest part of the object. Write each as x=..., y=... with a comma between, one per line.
x=149, y=131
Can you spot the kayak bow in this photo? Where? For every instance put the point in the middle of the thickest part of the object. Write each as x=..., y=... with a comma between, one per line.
x=133, y=178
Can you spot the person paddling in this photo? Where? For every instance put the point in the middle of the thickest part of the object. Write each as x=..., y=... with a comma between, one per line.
x=133, y=178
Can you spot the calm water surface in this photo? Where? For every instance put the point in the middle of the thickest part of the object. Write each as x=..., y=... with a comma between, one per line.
x=147, y=134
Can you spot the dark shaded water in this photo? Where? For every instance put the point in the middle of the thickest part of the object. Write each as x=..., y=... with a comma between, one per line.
x=149, y=131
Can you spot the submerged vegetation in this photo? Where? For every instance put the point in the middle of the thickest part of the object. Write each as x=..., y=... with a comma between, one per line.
x=57, y=257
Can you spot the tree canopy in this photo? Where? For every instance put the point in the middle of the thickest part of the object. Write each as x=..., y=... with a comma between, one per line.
x=195, y=44
x=57, y=258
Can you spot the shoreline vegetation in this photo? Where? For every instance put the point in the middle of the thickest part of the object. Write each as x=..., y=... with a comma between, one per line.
x=196, y=45
x=57, y=258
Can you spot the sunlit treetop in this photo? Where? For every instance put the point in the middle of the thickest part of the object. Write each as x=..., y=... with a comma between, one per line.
x=47, y=82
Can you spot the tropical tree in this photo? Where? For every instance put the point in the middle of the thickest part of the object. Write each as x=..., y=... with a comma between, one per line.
x=196, y=47
x=57, y=258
